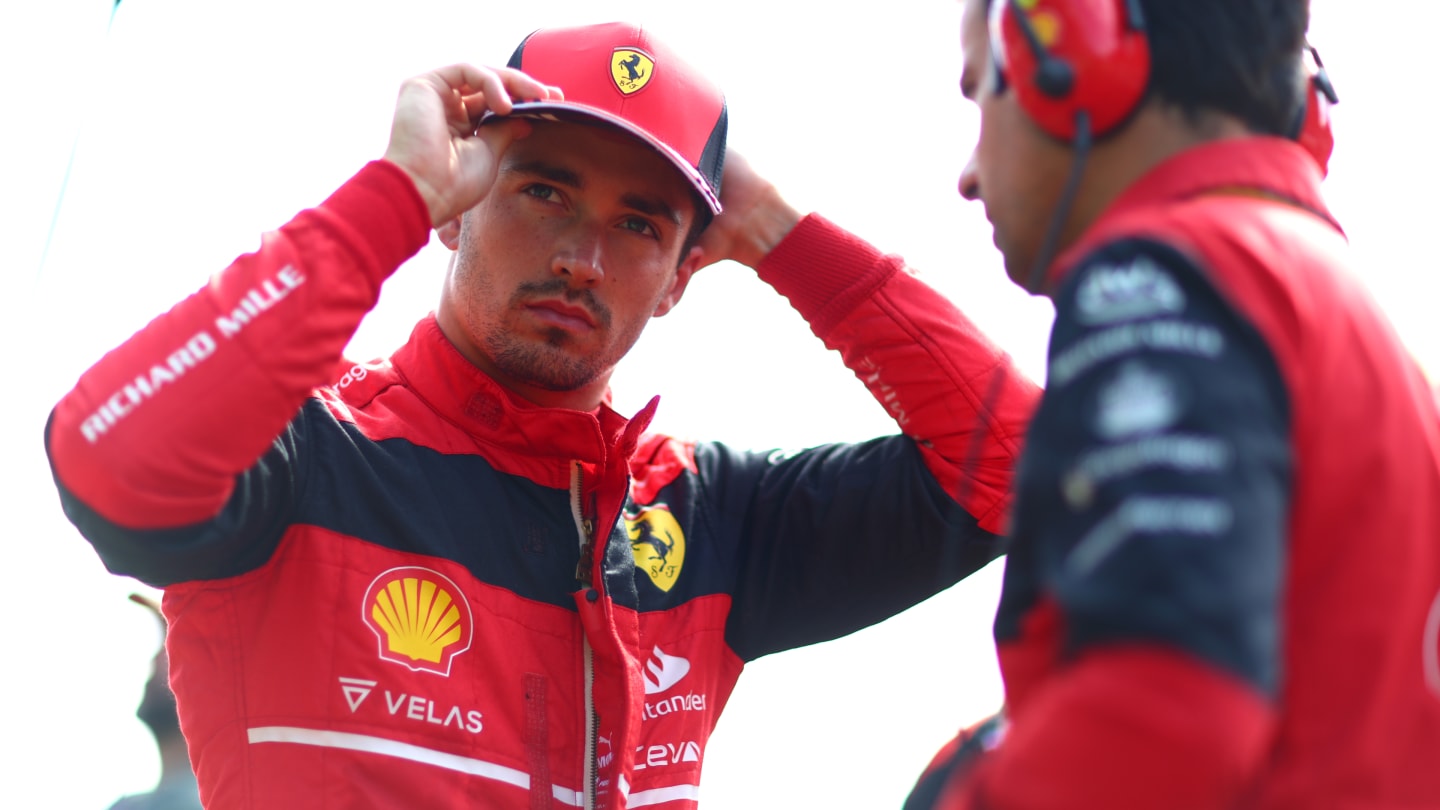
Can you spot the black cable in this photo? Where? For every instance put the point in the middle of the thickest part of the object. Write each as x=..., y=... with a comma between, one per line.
x=1061, y=215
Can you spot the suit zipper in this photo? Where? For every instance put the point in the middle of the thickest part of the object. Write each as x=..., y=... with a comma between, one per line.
x=585, y=526
x=592, y=732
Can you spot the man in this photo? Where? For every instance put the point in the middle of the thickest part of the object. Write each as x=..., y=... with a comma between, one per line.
x=457, y=577
x=1223, y=584
x=176, y=789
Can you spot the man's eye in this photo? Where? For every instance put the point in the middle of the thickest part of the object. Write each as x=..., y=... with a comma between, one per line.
x=639, y=226
x=541, y=191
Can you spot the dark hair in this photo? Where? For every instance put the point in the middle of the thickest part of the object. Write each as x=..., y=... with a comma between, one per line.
x=703, y=217
x=1241, y=57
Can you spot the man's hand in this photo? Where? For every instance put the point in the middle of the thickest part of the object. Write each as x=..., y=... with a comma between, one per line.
x=434, y=140
x=755, y=219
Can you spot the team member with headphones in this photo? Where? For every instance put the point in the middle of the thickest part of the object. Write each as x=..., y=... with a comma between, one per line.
x=1223, y=580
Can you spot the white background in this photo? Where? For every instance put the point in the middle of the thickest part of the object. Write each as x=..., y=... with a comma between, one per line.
x=196, y=126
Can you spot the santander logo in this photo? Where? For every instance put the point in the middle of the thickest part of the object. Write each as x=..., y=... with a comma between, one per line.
x=663, y=671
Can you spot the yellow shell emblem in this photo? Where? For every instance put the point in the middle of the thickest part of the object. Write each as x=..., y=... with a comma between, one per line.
x=420, y=618
x=631, y=70
x=658, y=544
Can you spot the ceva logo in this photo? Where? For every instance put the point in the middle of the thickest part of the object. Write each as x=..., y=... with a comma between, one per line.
x=420, y=618
x=663, y=671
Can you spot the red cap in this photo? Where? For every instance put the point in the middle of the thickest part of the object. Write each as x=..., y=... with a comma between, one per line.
x=620, y=74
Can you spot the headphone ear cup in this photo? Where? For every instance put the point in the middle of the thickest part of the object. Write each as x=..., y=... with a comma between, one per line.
x=1055, y=79
x=1312, y=127
x=1088, y=56
x=1315, y=132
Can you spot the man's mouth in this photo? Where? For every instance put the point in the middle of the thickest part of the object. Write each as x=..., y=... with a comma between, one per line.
x=564, y=315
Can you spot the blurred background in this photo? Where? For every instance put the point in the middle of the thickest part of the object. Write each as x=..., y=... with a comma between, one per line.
x=180, y=131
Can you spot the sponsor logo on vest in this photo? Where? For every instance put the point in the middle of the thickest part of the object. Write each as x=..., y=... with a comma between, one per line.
x=419, y=617
x=417, y=708
x=870, y=373
x=662, y=672
x=657, y=756
x=1137, y=402
x=1117, y=293
x=657, y=544
x=631, y=70
x=182, y=359
x=356, y=690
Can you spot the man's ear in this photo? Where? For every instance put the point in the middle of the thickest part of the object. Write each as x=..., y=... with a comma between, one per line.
x=683, y=273
x=449, y=233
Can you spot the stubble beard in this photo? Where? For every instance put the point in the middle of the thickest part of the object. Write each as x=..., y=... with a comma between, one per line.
x=546, y=364
x=552, y=363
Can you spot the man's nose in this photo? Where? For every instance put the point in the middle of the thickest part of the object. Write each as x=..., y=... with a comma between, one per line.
x=580, y=259
x=970, y=180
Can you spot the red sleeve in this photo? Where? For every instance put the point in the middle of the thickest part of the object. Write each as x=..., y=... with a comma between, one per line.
x=1129, y=728
x=947, y=385
x=153, y=435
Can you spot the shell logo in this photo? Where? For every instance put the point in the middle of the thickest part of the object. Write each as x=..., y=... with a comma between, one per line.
x=420, y=618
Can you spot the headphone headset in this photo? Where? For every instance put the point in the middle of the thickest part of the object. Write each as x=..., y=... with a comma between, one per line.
x=1312, y=128
x=1080, y=68
x=1073, y=64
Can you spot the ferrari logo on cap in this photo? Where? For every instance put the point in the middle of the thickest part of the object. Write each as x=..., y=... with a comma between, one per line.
x=631, y=69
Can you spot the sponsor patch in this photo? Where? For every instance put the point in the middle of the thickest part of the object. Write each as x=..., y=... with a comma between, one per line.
x=404, y=705
x=1139, y=288
x=657, y=544
x=1168, y=335
x=661, y=755
x=1190, y=454
x=1138, y=401
x=664, y=671
x=1149, y=514
x=420, y=618
x=631, y=69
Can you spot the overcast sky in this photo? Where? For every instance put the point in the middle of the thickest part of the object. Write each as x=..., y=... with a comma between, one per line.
x=198, y=126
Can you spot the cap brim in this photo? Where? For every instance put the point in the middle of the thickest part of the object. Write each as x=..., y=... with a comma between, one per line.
x=563, y=110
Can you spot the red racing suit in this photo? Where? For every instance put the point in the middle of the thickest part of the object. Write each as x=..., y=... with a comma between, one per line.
x=394, y=584
x=1223, y=588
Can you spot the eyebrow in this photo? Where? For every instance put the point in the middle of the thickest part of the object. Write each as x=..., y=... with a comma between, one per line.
x=551, y=172
x=652, y=207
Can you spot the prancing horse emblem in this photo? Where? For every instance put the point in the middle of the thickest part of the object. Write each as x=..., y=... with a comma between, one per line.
x=658, y=544
x=631, y=70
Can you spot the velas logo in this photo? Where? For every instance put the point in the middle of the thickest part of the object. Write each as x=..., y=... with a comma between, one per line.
x=631, y=70
x=658, y=544
x=420, y=618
